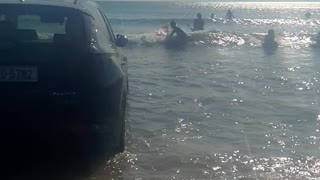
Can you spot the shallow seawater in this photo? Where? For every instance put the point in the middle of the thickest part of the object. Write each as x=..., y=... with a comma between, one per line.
x=221, y=111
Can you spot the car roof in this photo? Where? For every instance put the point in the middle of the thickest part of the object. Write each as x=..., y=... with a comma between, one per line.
x=58, y=3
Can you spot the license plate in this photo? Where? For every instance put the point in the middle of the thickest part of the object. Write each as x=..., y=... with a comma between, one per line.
x=18, y=74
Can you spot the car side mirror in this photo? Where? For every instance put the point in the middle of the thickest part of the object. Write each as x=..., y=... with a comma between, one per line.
x=121, y=40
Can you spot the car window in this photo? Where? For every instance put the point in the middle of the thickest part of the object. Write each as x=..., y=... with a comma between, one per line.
x=107, y=24
x=45, y=30
x=99, y=24
x=39, y=23
x=97, y=35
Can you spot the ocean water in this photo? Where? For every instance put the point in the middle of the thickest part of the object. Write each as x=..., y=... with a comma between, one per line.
x=222, y=107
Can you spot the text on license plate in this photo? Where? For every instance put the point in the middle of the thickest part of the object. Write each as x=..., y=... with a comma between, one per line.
x=18, y=74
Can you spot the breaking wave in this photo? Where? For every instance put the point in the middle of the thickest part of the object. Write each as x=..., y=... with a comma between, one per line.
x=212, y=38
x=217, y=21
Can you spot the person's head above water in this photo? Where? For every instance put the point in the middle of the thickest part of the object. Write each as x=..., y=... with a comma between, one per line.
x=173, y=24
x=199, y=15
x=271, y=32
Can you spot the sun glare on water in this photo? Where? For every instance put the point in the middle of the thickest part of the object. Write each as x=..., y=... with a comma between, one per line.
x=257, y=5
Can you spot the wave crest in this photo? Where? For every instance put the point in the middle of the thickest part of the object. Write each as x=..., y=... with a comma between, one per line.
x=212, y=38
x=217, y=21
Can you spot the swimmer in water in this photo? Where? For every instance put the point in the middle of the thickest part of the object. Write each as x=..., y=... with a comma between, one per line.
x=269, y=42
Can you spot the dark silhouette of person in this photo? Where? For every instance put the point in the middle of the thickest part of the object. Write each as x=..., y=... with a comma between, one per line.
x=198, y=24
x=213, y=16
x=308, y=15
x=177, y=38
x=317, y=40
x=229, y=15
x=269, y=42
x=177, y=32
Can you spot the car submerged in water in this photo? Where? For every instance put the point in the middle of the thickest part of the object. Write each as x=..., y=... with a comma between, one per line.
x=63, y=84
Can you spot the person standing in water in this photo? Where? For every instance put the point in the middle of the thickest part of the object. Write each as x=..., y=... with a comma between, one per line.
x=269, y=42
x=229, y=15
x=198, y=24
x=213, y=16
x=317, y=40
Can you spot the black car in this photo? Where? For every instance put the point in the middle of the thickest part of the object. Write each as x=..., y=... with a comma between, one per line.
x=63, y=82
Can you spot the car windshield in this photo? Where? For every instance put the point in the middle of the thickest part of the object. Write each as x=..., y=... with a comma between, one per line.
x=39, y=23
